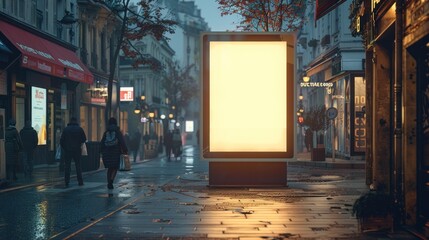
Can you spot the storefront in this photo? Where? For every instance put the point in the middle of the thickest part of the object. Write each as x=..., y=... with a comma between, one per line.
x=416, y=44
x=341, y=86
x=41, y=84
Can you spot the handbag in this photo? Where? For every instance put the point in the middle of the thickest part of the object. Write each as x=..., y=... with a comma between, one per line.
x=58, y=153
x=124, y=163
x=84, y=150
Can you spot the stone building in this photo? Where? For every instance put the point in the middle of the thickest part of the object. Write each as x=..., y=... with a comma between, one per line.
x=396, y=39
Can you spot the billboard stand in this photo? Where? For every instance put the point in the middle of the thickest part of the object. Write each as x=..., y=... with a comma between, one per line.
x=248, y=107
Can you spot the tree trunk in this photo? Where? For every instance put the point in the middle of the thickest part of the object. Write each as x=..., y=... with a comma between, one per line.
x=113, y=61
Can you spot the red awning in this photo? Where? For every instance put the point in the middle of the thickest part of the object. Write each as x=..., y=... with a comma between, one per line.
x=47, y=57
x=323, y=7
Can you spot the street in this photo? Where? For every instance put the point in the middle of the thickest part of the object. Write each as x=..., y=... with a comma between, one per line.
x=162, y=199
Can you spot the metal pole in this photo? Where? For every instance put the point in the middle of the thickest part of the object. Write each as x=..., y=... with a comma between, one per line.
x=333, y=139
x=397, y=141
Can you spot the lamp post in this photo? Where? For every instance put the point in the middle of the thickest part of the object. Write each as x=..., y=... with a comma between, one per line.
x=300, y=119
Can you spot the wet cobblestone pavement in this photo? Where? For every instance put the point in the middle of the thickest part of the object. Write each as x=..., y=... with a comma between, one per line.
x=163, y=199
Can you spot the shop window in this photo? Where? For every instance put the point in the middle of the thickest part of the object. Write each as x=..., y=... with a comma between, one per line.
x=101, y=123
x=84, y=118
x=94, y=122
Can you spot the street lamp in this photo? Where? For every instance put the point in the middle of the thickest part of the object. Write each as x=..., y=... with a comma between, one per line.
x=141, y=105
x=305, y=78
x=68, y=18
x=151, y=114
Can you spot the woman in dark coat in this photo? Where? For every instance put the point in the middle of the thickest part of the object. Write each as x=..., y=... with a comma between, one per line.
x=111, y=152
x=13, y=144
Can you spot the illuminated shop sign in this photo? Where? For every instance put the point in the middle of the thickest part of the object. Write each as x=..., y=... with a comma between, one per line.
x=248, y=109
x=317, y=84
x=126, y=94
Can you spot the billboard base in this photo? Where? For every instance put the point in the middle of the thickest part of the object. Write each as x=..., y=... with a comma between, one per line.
x=254, y=174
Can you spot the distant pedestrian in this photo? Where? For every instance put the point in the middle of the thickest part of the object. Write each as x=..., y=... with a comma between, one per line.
x=135, y=143
x=177, y=143
x=127, y=139
x=30, y=141
x=308, y=139
x=71, y=143
x=161, y=145
x=198, y=136
x=146, y=139
x=13, y=145
x=168, y=143
x=112, y=146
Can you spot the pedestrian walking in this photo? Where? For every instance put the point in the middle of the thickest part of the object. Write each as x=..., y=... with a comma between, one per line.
x=161, y=145
x=29, y=141
x=71, y=142
x=13, y=145
x=134, y=144
x=308, y=139
x=168, y=143
x=111, y=147
x=177, y=143
x=127, y=139
x=146, y=139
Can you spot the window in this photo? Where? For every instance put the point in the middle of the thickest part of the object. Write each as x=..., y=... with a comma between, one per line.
x=94, y=123
x=83, y=118
x=14, y=7
x=33, y=12
x=39, y=19
x=21, y=7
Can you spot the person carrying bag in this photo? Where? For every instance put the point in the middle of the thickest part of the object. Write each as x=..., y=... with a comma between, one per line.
x=112, y=146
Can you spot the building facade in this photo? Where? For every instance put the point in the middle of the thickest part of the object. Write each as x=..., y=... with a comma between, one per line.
x=396, y=36
x=41, y=72
x=332, y=59
x=97, y=40
x=149, y=95
x=186, y=43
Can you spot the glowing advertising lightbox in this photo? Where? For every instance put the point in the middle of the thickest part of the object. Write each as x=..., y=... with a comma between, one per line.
x=38, y=113
x=248, y=95
x=126, y=94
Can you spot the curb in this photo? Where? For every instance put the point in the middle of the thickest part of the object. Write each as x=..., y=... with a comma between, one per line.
x=328, y=165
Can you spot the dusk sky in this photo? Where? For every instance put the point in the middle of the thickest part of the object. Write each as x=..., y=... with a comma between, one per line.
x=211, y=13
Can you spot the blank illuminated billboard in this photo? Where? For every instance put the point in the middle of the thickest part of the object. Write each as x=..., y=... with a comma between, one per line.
x=248, y=95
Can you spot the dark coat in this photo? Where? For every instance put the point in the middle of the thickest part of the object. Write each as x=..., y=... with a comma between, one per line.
x=12, y=135
x=111, y=155
x=168, y=139
x=135, y=141
x=72, y=138
x=29, y=138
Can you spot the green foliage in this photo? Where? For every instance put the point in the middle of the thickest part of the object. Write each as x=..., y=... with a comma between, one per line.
x=372, y=204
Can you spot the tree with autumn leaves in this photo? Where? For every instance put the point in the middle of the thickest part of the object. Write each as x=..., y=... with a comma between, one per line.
x=179, y=85
x=266, y=15
x=148, y=18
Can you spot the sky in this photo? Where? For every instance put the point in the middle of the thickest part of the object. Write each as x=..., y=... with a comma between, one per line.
x=211, y=14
